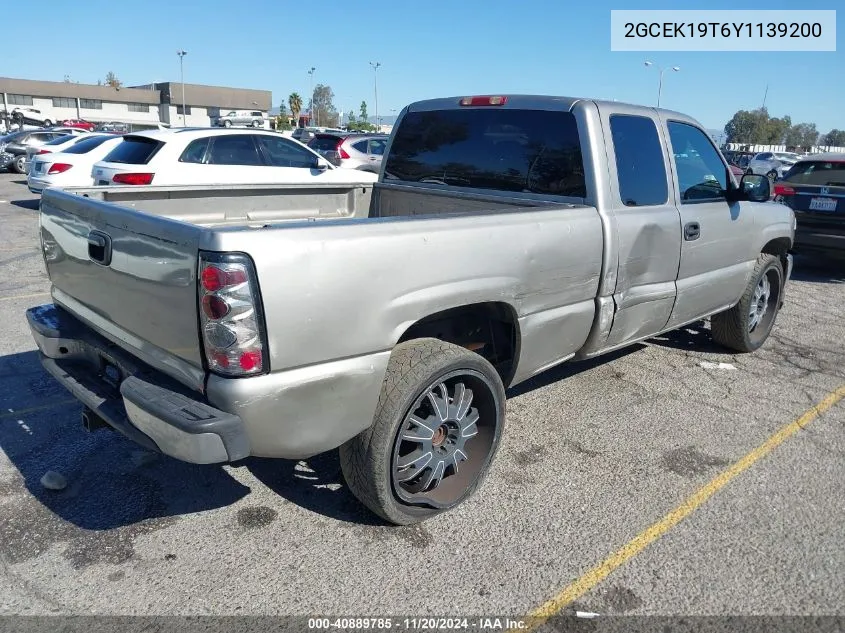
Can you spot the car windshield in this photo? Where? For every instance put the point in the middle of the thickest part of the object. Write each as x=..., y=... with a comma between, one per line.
x=819, y=173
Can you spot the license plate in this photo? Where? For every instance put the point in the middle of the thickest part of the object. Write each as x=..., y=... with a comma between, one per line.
x=823, y=204
x=102, y=183
x=37, y=167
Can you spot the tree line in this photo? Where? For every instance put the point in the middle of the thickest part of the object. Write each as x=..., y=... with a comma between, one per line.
x=324, y=113
x=757, y=127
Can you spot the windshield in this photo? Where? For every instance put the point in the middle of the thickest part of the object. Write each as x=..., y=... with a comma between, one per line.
x=528, y=151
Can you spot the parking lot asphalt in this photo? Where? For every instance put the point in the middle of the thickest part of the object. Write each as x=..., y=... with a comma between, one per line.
x=593, y=455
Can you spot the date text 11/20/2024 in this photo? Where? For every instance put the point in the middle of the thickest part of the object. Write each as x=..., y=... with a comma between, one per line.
x=417, y=624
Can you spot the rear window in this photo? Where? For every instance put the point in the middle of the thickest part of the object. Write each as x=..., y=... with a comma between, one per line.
x=819, y=173
x=83, y=147
x=134, y=150
x=323, y=143
x=59, y=140
x=528, y=151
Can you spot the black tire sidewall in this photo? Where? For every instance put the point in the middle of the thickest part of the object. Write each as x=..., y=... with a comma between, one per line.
x=395, y=417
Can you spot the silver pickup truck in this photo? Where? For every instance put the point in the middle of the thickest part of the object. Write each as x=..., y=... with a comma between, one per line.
x=505, y=235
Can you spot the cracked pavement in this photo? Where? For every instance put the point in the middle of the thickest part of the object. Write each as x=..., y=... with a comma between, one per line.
x=593, y=453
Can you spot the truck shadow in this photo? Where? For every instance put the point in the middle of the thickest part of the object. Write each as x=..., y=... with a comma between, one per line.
x=818, y=270
x=111, y=482
x=315, y=484
x=694, y=337
x=29, y=205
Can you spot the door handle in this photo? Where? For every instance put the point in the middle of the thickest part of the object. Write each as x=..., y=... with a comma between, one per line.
x=692, y=231
x=99, y=247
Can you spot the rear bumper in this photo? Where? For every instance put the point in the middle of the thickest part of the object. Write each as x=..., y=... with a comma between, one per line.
x=137, y=401
x=291, y=414
x=820, y=238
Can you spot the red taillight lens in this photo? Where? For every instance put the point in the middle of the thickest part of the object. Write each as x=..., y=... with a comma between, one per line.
x=43, y=151
x=483, y=101
x=230, y=315
x=133, y=179
x=214, y=307
x=58, y=168
x=784, y=190
x=214, y=278
x=342, y=153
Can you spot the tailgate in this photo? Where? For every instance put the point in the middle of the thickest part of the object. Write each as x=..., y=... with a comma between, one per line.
x=130, y=275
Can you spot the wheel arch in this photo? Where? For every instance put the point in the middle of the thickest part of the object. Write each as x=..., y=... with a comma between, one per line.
x=489, y=328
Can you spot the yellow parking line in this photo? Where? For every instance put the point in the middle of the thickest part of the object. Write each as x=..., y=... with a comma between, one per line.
x=37, y=294
x=20, y=412
x=601, y=571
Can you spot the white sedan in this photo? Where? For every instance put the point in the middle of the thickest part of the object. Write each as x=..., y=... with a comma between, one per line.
x=70, y=167
x=59, y=144
x=208, y=156
x=772, y=164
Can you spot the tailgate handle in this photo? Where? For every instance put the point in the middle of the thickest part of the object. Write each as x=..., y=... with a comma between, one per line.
x=99, y=247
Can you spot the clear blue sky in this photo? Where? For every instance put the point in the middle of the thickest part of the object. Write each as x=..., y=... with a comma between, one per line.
x=427, y=48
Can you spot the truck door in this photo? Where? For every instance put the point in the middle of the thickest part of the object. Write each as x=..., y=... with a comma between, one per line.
x=717, y=247
x=648, y=225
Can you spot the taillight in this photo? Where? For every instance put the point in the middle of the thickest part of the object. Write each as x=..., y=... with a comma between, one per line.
x=340, y=151
x=43, y=151
x=483, y=101
x=232, y=323
x=784, y=190
x=58, y=168
x=133, y=179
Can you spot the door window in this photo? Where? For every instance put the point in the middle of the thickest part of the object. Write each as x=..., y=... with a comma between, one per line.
x=283, y=153
x=377, y=147
x=235, y=149
x=700, y=171
x=639, y=161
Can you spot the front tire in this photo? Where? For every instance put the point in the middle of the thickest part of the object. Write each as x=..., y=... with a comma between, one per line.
x=435, y=432
x=227, y=124
x=747, y=325
x=48, y=123
x=773, y=175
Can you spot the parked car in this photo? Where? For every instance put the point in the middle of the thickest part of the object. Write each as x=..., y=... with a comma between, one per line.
x=814, y=188
x=80, y=124
x=234, y=118
x=206, y=156
x=17, y=143
x=31, y=115
x=70, y=167
x=303, y=134
x=351, y=151
x=387, y=321
x=772, y=164
x=58, y=144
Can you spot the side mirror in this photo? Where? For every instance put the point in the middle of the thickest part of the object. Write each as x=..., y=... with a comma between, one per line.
x=755, y=188
x=321, y=164
x=752, y=187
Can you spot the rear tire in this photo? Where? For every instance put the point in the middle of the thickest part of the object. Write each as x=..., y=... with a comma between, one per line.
x=48, y=123
x=435, y=432
x=773, y=175
x=227, y=124
x=747, y=325
x=17, y=164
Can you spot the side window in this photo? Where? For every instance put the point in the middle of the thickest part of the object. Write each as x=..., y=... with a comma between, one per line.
x=639, y=161
x=701, y=173
x=361, y=146
x=234, y=149
x=282, y=153
x=195, y=151
x=377, y=147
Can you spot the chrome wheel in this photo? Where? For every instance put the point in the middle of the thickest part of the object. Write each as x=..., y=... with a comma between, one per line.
x=445, y=440
x=759, y=303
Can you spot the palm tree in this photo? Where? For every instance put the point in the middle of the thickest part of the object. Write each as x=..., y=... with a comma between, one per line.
x=295, y=103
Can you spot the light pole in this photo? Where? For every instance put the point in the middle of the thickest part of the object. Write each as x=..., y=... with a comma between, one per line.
x=181, y=53
x=311, y=99
x=660, y=85
x=375, y=66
